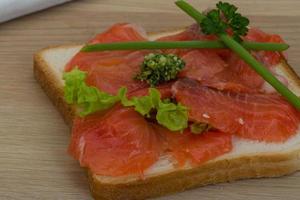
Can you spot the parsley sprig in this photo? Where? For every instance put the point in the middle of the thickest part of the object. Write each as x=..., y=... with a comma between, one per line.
x=223, y=18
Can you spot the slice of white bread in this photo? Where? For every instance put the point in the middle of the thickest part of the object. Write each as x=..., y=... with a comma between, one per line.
x=248, y=159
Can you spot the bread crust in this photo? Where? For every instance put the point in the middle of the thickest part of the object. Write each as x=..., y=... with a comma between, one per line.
x=45, y=76
x=210, y=173
x=226, y=170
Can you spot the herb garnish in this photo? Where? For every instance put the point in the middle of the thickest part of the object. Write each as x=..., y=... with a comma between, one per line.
x=158, y=68
x=225, y=18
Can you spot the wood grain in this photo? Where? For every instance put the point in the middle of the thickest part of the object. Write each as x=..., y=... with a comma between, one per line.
x=33, y=137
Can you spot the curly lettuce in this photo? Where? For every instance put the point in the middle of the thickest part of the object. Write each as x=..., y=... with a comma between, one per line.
x=90, y=99
x=172, y=116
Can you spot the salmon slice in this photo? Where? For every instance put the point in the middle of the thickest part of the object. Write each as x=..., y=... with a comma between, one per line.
x=111, y=78
x=121, y=32
x=229, y=80
x=199, y=148
x=269, y=58
x=118, y=143
x=262, y=117
x=201, y=64
x=116, y=33
x=207, y=67
x=165, y=90
x=110, y=70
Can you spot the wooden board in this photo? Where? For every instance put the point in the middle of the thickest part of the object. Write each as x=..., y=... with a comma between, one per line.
x=33, y=137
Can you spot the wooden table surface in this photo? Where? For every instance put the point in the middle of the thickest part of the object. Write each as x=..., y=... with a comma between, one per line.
x=33, y=137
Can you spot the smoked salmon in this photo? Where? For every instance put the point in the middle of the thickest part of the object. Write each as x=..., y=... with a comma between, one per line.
x=110, y=70
x=118, y=143
x=201, y=64
x=262, y=117
x=197, y=148
x=268, y=58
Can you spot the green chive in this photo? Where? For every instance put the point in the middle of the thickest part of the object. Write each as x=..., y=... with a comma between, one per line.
x=246, y=56
x=265, y=46
x=190, y=10
x=179, y=45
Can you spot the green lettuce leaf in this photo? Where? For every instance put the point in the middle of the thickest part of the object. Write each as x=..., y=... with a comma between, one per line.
x=90, y=99
x=155, y=97
x=73, y=81
x=123, y=98
x=170, y=115
x=173, y=116
x=144, y=104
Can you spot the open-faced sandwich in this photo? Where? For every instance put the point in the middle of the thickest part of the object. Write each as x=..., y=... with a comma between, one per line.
x=161, y=113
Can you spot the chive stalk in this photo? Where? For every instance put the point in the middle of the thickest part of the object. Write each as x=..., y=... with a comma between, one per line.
x=246, y=56
x=190, y=10
x=179, y=45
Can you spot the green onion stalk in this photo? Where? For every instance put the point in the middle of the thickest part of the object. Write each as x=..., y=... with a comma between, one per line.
x=180, y=45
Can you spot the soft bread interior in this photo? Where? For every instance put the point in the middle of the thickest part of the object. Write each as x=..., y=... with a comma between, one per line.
x=57, y=58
